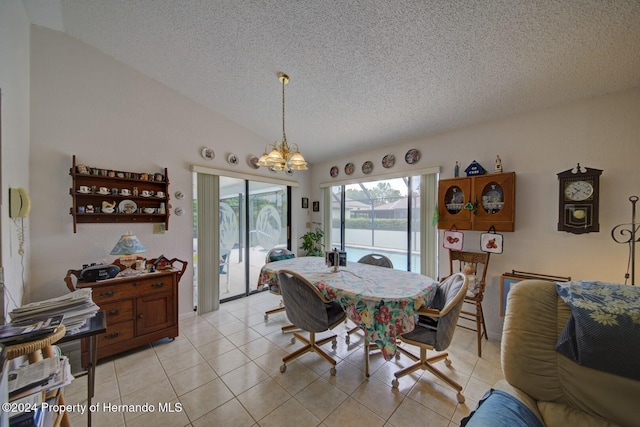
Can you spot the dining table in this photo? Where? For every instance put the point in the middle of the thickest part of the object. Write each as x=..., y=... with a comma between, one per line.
x=382, y=301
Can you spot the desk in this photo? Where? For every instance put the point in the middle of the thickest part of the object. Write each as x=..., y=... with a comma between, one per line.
x=382, y=301
x=95, y=326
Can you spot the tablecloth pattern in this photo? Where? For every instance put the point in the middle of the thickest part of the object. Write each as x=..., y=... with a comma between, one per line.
x=383, y=301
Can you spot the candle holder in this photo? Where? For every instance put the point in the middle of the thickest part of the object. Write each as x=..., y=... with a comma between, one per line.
x=629, y=234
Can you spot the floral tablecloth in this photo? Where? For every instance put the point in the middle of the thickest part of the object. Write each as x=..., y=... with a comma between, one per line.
x=381, y=300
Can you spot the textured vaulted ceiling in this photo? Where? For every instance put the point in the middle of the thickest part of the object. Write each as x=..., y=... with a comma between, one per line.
x=364, y=73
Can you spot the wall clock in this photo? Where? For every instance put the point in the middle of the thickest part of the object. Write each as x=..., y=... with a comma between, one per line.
x=579, y=200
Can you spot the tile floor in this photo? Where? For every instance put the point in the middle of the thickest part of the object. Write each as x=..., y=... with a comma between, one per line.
x=224, y=369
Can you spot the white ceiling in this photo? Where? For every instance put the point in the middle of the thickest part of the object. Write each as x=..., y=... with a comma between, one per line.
x=364, y=72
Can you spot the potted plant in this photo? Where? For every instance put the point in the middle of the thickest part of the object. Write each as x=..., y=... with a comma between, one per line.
x=312, y=242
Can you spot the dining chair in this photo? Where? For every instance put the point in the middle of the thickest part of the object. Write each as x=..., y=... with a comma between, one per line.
x=372, y=259
x=472, y=311
x=434, y=330
x=278, y=254
x=376, y=259
x=309, y=311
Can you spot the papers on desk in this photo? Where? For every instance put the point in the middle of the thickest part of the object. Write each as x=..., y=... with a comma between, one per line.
x=29, y=330
x=76, y=307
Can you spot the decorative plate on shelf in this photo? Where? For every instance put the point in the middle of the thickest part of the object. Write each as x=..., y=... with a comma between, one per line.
x=412, y=156
x=367, y=167
x=127, y=206
x=232, y=159
x=253, y=162
x=333, y=172
x=388, y=161
x=208, y=153
x=349, y=168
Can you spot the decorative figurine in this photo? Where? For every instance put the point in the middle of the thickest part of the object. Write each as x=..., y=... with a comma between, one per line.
x=498, y=168
x=456, y=170
x=474, y=169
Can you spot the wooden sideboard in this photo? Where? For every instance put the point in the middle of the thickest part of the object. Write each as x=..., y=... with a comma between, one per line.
x=140, y=309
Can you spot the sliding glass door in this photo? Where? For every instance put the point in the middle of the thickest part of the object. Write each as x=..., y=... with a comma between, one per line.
x=378, y=216
x=253, y=217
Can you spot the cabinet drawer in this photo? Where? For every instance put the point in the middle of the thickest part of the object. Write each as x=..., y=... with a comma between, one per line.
x=131, y=289
x=116, y=333
x=118, y=311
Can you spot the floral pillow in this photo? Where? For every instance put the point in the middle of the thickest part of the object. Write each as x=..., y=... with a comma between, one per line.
x=603, y=331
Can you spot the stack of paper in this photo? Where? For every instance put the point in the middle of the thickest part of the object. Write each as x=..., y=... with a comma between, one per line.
x=29, y=330
x=76, y=306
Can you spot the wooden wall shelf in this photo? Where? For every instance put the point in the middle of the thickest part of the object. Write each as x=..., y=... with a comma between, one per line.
x=94, y=179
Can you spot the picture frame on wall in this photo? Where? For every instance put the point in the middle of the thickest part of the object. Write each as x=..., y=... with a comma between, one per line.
x=316, y=206
x=305, y=203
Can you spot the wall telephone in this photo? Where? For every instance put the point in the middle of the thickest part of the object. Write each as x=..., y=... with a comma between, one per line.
x=19, y=203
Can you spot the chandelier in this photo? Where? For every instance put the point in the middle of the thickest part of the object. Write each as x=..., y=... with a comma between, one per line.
x=282, y=156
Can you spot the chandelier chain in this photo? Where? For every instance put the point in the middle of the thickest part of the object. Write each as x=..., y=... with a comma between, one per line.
x=284, y=136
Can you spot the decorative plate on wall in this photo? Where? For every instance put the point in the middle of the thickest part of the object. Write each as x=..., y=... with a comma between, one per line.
x=333, y=172
x=412, y=156
x=208, y=153
x=388, y=161
x=232, y=159
x=253, y=162
x=349, y=168
x=367, y=167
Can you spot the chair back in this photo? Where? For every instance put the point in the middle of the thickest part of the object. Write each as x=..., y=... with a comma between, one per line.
x=480, y=263
x=448, y=300
x=304, y=304
x=376, y=259
x=278, y=254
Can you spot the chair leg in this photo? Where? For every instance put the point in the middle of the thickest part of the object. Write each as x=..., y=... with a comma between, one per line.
x=426, y=364
x=311, y=346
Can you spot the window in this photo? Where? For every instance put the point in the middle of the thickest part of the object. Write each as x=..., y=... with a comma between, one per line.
x=391, y=216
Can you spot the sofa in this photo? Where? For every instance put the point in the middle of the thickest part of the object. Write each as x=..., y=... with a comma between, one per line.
x=546, y=388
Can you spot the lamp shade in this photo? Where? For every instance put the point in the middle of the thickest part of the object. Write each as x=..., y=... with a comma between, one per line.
x=127, y=245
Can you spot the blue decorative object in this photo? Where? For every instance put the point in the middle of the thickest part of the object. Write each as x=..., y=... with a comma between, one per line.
x=475, y=168
x=603, y=331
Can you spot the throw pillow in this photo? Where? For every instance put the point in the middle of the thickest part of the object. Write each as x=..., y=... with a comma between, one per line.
x=603, y=331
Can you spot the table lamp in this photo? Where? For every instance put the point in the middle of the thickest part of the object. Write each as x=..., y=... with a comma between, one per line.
x=127, y=247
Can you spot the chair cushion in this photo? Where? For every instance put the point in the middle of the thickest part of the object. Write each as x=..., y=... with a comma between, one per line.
x=281, y=257
x=500, y=409
x=603, y=331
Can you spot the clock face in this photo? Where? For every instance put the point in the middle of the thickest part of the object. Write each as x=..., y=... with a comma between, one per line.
x=578, y=190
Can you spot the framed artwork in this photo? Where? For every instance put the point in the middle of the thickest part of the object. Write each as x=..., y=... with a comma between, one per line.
x=316, y=206
x=305, y=203
x=453, y=239
x=508, y=280
x=491, y=242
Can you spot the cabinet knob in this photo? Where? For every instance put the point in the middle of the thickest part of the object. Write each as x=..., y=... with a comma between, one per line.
x=113, y=312
x=140, y=316
x=157, y=285
x=108, y=294
x=112, y=335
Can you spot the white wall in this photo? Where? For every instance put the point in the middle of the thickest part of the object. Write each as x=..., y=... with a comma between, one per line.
x=86, y=103
x=600, y=133
x=14, y=83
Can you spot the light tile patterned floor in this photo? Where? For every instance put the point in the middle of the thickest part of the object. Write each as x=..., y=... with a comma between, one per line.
x=224, y=369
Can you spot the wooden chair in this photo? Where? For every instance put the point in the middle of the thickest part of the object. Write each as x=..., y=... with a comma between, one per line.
x=372, y=259
x=435, y=329
x=308, y=310
x=472, y=310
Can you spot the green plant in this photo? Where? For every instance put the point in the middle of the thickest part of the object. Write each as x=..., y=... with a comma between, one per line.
x=312, y=242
